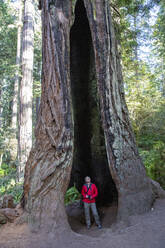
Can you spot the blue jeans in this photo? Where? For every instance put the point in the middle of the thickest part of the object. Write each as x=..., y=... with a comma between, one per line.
x=87, y=207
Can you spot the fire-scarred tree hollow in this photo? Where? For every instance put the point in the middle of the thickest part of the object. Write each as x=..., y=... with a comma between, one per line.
x=89, y=143
x=82, y=104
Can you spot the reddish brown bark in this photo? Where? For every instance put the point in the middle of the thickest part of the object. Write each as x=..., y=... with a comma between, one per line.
x=127, y=169
x=48, y=168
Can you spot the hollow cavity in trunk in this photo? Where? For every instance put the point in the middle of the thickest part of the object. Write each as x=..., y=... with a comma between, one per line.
x=89, y=144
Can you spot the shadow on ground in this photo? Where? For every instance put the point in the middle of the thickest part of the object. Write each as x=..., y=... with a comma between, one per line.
x=76, y=218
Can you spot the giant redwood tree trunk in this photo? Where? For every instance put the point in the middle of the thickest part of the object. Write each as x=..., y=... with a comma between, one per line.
x=48, y=169
x=127, y=170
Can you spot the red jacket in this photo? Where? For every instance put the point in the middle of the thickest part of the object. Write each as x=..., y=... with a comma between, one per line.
x=92, y=192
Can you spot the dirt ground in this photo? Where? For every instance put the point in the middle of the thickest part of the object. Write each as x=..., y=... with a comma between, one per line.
x=142, y=231
x=76, y=219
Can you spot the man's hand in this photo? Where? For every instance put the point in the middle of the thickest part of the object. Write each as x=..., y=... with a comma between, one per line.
x=89, y=197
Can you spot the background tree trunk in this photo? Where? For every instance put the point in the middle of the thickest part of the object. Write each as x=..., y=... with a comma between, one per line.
x=25, y=111
x=37, y=106
x=1, y=153
x=16, y=84
x=48, y=168
x=0, y=106
x=17, y=76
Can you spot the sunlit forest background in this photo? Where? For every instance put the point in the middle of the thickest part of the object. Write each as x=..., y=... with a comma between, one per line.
x=140, y=30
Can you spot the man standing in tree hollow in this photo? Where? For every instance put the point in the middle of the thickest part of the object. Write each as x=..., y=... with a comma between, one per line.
x=89, y=193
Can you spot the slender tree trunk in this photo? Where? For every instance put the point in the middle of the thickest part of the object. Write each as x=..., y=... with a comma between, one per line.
x=1, y=156
x=17, y=76
x=0, y=107
x=14, y=140
x=25, y=111
x=163, y=76
x=48, y=168
x=136, y=63
x=37, y=106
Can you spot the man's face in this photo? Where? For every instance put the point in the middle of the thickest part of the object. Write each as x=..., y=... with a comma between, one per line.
x=87, y=180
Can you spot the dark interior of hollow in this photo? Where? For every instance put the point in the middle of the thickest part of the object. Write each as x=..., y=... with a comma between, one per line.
x=89, y=144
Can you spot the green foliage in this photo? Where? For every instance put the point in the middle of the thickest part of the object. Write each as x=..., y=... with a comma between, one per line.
x=147, y=112
x=5, y=137
x=154, y=162
x=159, y=47
x=8, y=184
x=8, y=41
x=37, y=64
x=151, y=141
x=72, y=195
x=8, y=45
x=143, y=82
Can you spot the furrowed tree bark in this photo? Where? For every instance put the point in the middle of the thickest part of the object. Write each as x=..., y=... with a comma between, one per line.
x=16, y=84
x=48, y=168
x=17, y=76
x=25, y=108
x=134, y=189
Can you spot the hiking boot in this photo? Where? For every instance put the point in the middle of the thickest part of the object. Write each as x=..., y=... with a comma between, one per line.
x=99, y=226
x=88, y=226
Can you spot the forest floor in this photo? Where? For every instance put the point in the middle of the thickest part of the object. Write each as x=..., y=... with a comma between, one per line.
x=140, y=231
